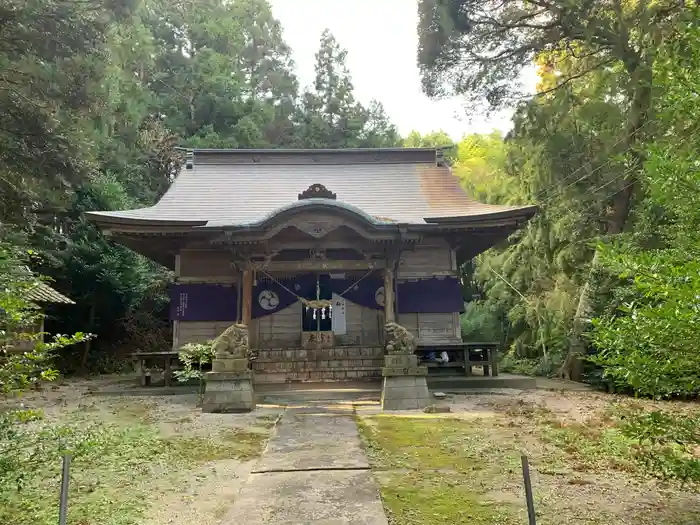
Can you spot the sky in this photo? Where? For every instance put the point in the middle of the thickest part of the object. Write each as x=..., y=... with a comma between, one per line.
x=382, y=41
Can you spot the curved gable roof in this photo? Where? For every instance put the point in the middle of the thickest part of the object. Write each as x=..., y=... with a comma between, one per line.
x=246, y=187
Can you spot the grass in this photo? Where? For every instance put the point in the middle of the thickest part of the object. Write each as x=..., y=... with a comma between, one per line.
x=119, y=465
x=443, y=470
x=420, y=499
x=436, y=471
x=266, y=422
x=233, y=444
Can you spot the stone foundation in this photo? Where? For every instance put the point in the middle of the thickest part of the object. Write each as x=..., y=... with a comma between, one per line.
x=404, y=386
x=350, y=363
x=229, y=387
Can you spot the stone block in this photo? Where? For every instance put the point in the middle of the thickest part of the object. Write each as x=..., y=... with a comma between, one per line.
x=401, y=361
x=229, y=376
x=229, y=364
x=377, y=352
x=227, y=392
x=397, y=372
x=402, y=382
x=407, y=392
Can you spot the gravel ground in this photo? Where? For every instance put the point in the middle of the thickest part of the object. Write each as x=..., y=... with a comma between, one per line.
x=201, y=495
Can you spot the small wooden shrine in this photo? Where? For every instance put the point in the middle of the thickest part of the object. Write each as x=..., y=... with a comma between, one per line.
x=314, y=250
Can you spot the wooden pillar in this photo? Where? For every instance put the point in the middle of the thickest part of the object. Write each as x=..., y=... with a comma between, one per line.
x=247, y=307
x=239, y=297
x=176, y=323
x=389, y=308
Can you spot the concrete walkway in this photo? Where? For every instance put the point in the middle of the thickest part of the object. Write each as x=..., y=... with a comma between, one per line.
x=313, y=472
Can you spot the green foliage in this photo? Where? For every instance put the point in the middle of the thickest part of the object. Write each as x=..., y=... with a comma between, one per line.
x=647, y=340
x=111, y=463
x=603, y=172
x=480, y=323
x=649, y=343
x=654, y=443
x=478, y=49
x=51, y=53
x=435, y=139
x=193, y=357
x=481, y=164
x=328, y=116
x=25, y=358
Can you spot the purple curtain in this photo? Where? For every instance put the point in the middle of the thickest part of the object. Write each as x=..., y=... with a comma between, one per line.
x=368, y=292
x=202, y=302
x=430, y=296
x=216, y=302
x=269, y=297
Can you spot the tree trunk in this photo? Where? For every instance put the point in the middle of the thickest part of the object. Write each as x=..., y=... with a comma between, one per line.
x=640, y=105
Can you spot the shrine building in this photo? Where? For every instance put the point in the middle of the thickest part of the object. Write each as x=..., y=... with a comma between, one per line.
x=315, y=250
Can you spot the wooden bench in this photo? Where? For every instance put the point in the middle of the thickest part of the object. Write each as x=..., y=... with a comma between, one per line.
x=472, y=354
x=165, y=357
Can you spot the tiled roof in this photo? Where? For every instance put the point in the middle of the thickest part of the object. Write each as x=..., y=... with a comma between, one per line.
x=43, y=293
x=234, y=190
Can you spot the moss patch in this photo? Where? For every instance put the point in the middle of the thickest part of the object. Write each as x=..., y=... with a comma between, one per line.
x=441, y=470
x=466, y=469
x=435, y=499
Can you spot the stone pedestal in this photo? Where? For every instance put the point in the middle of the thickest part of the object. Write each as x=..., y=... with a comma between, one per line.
x=229, y=387
x=404, y=385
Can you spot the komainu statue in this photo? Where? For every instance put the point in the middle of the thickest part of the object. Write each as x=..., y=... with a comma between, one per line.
x=233, y=343
x=398, y=339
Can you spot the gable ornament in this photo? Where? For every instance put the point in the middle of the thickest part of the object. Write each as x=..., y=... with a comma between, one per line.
x=317, y=191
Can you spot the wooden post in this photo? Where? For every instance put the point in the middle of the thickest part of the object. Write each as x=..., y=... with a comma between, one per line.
x=239, y=297
x=389, y=310
x=493, y=359
x=247, y=308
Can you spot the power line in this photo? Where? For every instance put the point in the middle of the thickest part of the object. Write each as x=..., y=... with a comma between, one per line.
x=543, y=192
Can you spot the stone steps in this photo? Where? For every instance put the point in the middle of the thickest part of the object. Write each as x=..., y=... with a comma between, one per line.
x=320, y=364
x=318, y=376
x=298, y=354
x=349, y=363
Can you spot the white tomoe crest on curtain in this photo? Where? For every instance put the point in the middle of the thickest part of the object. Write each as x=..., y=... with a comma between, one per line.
x=379, y=296
x=268, y=300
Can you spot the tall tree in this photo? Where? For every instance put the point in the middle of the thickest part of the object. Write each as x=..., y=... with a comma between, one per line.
x=223, y=75
x=51, y=53
x=329, y=116
x=479, y=49
x=266, y=67
x=646, y=335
